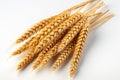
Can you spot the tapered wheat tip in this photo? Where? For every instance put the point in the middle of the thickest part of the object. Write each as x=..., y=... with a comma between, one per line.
x=27, y=59
x=63, y=55
x=72, y=33
x=31, y=31
x=22, y=48
x=78, y=49
x=60, y=29
x=50, y=54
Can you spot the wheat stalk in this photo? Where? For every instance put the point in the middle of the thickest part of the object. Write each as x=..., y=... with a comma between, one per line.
x=72, y=33
x=78, y=49
x=63, y=55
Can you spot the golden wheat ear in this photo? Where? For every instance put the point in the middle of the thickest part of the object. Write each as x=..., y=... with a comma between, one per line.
x=34, y=29
x=22, y=48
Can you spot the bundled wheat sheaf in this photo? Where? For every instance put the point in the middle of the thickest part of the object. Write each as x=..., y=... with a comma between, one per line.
x=61, y=36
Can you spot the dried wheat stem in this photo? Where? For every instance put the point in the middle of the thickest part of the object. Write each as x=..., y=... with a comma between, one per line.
x=93, y=5
x=80, y=5
x=34, y=29
x=60, y=29
x=78, y=49
x=22, y=48
x=103, y=20
x=64, y=55
x=72, y=33
x=93, y=10
x=98, y=17
x=50, y=54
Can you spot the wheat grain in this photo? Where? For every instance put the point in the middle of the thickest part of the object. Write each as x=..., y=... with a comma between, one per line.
x=72, y=33
x=78, y=49
x=63, y=55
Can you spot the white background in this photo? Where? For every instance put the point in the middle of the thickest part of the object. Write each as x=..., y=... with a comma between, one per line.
x=101, y=60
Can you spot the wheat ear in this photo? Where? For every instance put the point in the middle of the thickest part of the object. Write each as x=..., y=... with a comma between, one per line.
x=34, y=29
x=22, y=48
x=78, y=49
x=63, y=55
x=58, y=30
x=27, y=59
x=72, y=33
